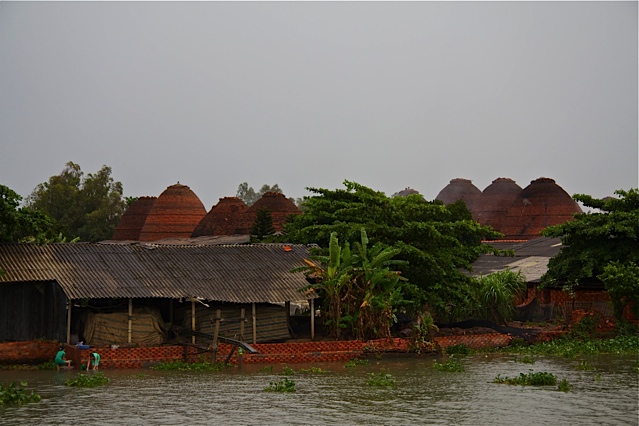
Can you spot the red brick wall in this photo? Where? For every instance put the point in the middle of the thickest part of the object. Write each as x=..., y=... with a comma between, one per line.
x=30, y=352
x=474, y=341
x=306, y=352
x=560, y=297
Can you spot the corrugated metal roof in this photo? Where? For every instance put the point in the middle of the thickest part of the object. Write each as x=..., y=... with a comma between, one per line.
x=227, y=273
x=531, y=258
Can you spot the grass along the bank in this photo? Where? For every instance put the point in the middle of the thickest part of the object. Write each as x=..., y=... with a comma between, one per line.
x=571, y=347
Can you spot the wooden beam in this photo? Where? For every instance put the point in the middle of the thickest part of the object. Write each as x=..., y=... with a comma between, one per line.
x=130, y=318
x=312, y=306
x=193, y=320
x=254, y=323
x=216, y=334
x=69, y=307
x=242, y=321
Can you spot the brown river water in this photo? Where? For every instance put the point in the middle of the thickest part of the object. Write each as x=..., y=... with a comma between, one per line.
x=608, y=394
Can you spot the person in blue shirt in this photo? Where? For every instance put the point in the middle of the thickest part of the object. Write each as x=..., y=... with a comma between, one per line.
x=61, y=359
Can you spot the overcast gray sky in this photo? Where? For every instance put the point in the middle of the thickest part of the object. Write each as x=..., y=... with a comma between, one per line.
x=307, y=94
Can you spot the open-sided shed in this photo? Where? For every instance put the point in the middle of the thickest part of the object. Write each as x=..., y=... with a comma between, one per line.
x=45, y=288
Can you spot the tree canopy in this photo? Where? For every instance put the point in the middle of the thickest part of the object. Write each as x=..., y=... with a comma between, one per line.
x=593, y=240
x=21, y=223
x=249, y=196
x=86, y=207
x=600, y=245
x=436, y=240
x=263, y=226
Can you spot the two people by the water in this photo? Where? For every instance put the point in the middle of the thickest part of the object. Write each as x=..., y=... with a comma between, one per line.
x=61, y=359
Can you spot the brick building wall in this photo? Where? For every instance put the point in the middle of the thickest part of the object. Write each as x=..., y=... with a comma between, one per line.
x=34, y=351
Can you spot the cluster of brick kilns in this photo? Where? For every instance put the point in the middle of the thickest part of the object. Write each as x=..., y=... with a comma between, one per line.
x=506, y=207
x=179, y=213
x=517, y=213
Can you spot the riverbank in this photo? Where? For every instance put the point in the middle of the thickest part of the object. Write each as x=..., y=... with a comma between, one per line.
x=549, y=341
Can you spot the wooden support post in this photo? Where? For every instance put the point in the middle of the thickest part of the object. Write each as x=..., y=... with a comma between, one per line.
x=216, y=333
x=171, y=311
x=254, y=324
x=228, y=358
x=312, y=307
x=130, y=319
x=242, y=320
x=69, y=307
x=193, y=320
x=287, y=307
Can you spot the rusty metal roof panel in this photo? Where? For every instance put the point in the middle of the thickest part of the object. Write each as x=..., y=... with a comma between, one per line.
x=228, y=273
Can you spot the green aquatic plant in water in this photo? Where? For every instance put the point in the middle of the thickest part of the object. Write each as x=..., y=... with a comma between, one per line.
x=190, y=366
x=267, y=369
x=284, y=385
x=458, y=350
x=355, y=362
x=381, y=379
x=88, y=380
x=585, y=365
x=539, y=378
x=526, y=359
x=49, y=365
x=571, y=347
x=287, y=371
x=564, y=386
x=14, y=394
x=450, y=366
x=311, y=370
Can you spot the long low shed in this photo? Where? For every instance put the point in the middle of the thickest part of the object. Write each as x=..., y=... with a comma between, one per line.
x=41, y=284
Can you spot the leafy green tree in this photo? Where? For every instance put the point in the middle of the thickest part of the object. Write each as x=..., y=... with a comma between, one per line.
x=359, y=290
x=437, y=242
x=89, y=208
x=622, y=282
x=263, y=226
x=593, y=240
x=601, y=244
x=20, y=223
x=249, y=196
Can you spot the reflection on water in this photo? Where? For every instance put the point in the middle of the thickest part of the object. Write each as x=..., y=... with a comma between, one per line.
x=607, y=394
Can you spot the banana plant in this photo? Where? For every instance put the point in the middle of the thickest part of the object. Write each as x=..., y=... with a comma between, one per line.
x=359, y=289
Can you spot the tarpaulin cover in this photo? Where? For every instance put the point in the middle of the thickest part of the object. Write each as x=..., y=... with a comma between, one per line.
x=147, y=327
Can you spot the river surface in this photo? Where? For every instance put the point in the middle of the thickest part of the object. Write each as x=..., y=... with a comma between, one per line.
x=607, y=394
